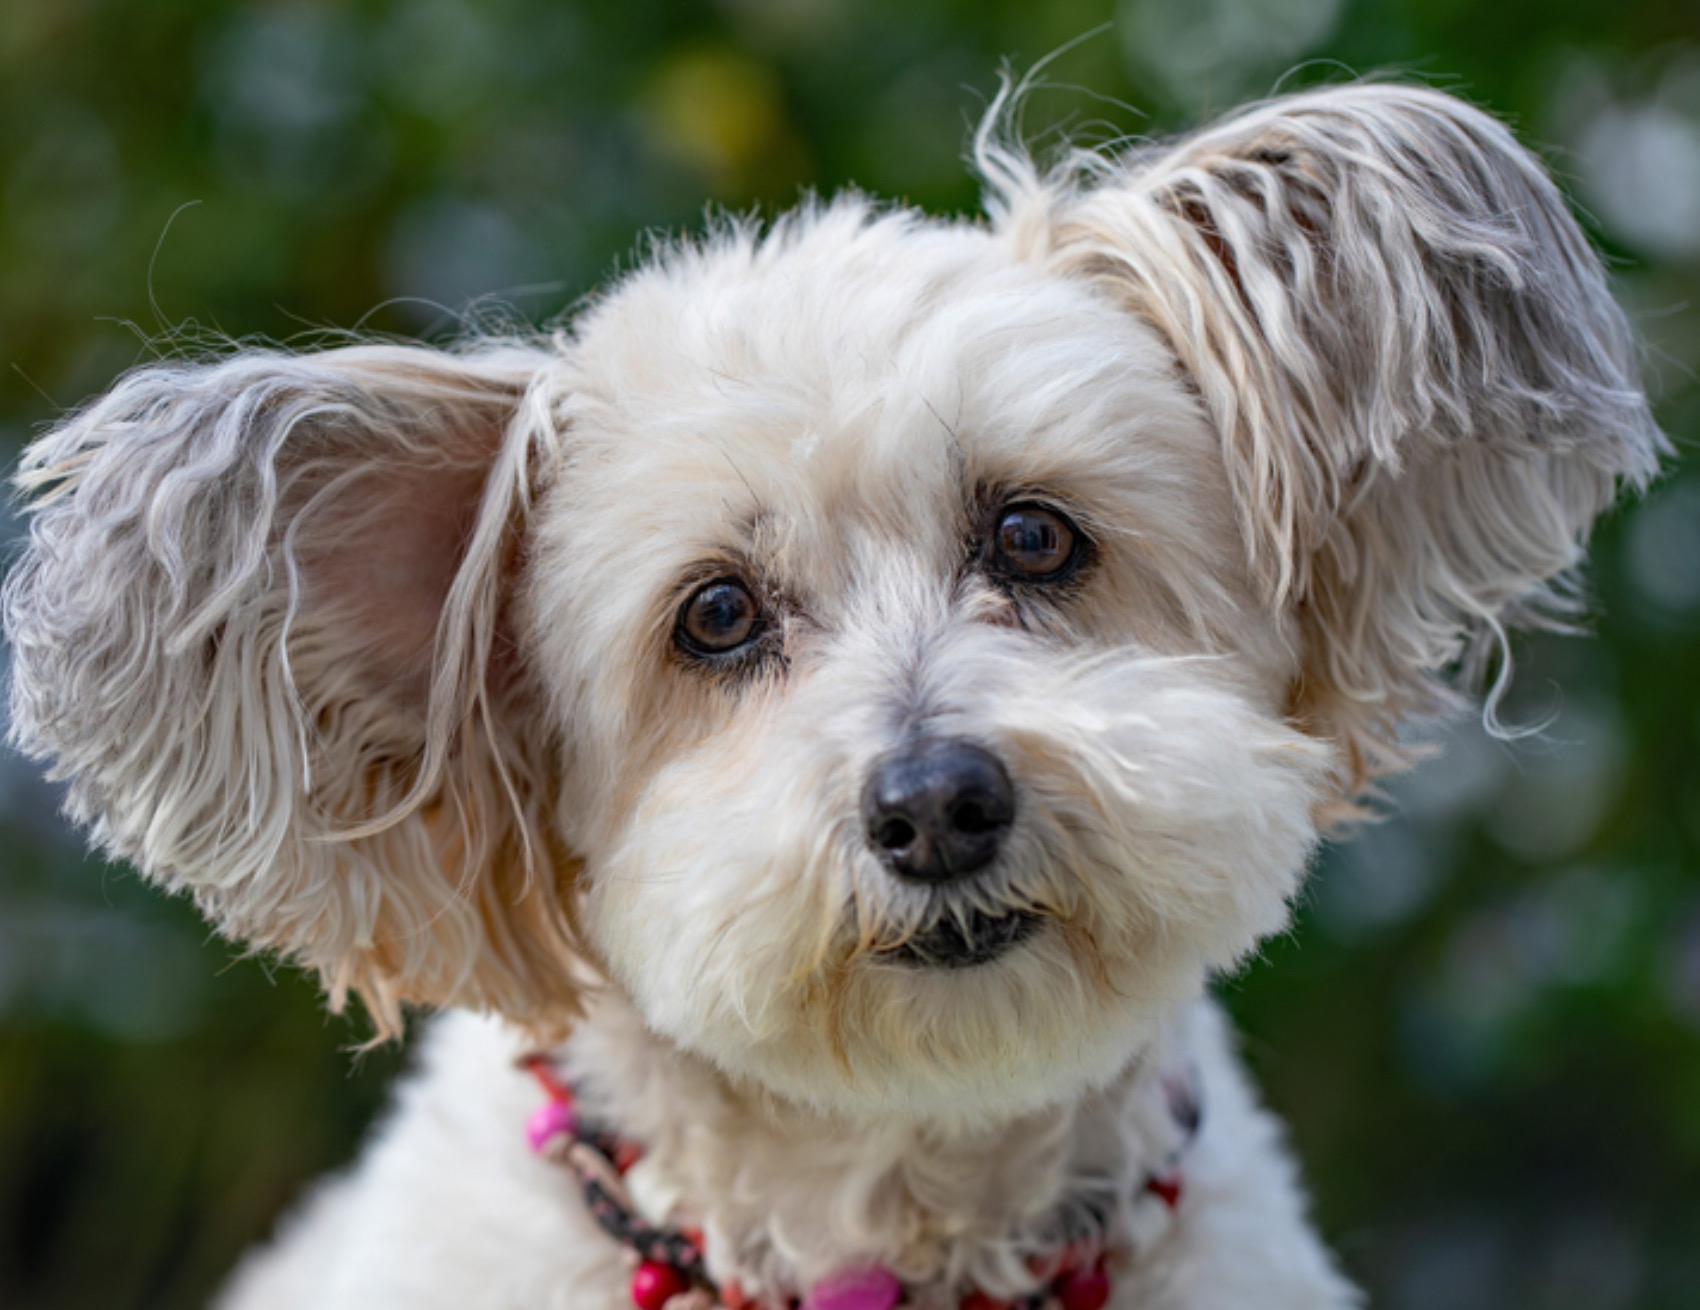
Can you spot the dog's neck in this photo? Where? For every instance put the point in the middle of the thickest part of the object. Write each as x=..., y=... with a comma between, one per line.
x=786, y=1195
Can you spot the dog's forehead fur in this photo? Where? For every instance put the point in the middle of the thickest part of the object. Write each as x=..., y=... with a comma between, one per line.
x=836, y=404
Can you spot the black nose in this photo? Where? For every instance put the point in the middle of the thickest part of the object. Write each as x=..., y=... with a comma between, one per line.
x=938, y=808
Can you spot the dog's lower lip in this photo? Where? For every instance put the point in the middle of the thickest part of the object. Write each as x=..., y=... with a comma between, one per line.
x=949, y=944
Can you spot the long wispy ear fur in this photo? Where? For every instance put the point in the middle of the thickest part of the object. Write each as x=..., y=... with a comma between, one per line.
x=1424, y=390
x=258, y=629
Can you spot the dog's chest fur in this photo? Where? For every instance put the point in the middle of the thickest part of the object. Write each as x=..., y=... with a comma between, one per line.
x=786, y=1196
x=451, y=1209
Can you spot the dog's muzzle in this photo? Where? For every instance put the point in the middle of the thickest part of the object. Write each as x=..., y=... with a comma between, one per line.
x=937, y=811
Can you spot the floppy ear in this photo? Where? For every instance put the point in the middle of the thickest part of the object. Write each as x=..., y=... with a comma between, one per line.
x=259, y=630
x=1424, y=391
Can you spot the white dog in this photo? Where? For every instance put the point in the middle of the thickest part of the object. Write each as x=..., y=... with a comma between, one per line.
x=837, y=703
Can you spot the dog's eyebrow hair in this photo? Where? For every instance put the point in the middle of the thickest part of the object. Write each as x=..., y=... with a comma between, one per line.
x=955, y=436
x=723, y=378
x=733, y=464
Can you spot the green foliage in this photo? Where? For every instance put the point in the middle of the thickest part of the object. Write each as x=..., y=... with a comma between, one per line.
x=1485, y=1029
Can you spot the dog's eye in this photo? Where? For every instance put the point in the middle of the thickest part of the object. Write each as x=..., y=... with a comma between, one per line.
x=719, y=616
x=1036, y=543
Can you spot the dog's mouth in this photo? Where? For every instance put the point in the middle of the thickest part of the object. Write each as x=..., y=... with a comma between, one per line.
x=954, y=944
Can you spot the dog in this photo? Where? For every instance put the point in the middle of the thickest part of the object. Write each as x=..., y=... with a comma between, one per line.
x=818, y=720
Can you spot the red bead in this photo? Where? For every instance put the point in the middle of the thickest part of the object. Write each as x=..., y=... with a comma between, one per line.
x=548, y=1079
x=1166, y=1188
x=732, y=1296
x=978, y=1300
x=1088, y=1289
x=626, y=1154
x=654, y=1285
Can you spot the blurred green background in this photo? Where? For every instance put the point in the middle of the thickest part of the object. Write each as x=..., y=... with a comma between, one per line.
x=1485, y=1028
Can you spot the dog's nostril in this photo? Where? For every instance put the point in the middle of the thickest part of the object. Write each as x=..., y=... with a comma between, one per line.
x=894, y=834
x=937, y=809
x=972, y=817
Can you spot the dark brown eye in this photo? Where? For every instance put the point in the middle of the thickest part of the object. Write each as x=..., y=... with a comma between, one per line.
x=1036, y=543
x=719, y=616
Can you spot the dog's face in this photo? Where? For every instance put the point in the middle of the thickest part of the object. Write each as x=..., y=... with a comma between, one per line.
x=921, y=723
x=906, y=658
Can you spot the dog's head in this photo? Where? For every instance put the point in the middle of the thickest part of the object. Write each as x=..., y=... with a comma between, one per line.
x=904, y=657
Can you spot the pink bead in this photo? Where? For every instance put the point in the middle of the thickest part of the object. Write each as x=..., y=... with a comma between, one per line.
x=548, y=1122
x=856, y=1289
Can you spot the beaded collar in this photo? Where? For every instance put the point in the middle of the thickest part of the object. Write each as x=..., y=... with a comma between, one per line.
x=671, y=1273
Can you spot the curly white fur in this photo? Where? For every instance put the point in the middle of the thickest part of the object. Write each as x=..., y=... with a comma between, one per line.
x=373, y=651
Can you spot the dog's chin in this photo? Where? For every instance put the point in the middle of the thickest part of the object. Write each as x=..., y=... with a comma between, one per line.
x=975, y=1017
x=951, y=943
